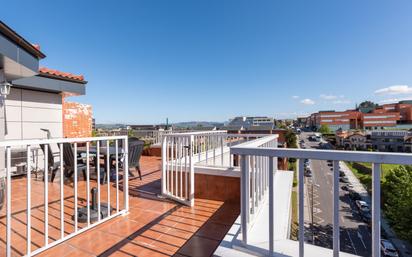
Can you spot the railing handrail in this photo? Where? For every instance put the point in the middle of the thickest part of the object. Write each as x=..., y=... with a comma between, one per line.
x=264, y=138
x=57, y=140
x=334, y=155
x=208, y=132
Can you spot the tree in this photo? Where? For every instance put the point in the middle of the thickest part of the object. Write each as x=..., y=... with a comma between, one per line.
x=324, y=129
x=368, y=104
x=290, y=138
x=397, y=196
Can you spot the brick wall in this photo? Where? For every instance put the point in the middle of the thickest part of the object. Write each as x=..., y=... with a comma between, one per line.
x=77, y=119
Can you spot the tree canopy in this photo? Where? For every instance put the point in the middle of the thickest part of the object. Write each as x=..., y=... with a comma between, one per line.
x=324, y=129
x=397, y=196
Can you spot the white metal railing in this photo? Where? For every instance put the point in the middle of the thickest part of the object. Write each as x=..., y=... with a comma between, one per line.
x=248, y=152
x=182, y=151
x=103, y=146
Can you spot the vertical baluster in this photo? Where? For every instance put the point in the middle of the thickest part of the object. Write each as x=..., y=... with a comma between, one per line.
x=221, y=149
x=172, y=165
x=108, y=177
x=46, y=194
x=301, y=205
x=126, y=174
x=192, y=172
x=61, y=191
x=176, y=174
x=28, y=221
x=336, y=247
x=186, y=152
x=252, y=166
x=75, y=187
x=88, y=182
x=98, y=177
x=8, y=202
x=181, y=145
x=376, y=209
x=164, y=165
x=117, y=173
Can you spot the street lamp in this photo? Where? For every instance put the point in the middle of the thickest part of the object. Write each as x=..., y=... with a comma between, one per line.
x=5, y=88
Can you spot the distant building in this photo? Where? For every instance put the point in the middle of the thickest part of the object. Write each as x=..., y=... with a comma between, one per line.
x=398, y=115
x=391, y=140
x=246, y=122
x=353, y=140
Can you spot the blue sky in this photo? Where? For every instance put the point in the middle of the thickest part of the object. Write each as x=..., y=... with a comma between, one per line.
x=211, y=60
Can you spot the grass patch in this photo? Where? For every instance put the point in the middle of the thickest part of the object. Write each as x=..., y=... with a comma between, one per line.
x=363, y=171
x=294, y=231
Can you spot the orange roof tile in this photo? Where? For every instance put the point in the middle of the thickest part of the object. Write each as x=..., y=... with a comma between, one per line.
x=61, y=74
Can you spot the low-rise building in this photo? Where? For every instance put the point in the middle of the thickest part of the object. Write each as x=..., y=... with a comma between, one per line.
x=246, y=122
x=391, y=140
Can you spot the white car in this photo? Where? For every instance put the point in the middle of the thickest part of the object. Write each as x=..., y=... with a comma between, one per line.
x=362, y=205
x=388, y=249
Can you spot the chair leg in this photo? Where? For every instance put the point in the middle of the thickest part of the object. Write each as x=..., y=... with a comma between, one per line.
x=140, y=173
x=53, y=175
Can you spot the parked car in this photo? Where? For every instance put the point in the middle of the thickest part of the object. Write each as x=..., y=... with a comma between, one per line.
x=366, y=216
x=347, y=187
x=344, y=179
x=362, y=205
x=341, y=173
x=354, y=195
x=308, y=173
x=388, y=249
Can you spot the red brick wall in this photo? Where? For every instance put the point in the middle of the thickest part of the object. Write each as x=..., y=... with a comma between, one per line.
x=77, y=119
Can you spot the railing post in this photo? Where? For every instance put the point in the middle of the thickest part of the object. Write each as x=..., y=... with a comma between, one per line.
x=336, y=237
x=164, y=163
x=8, y=203
x=301, y=209
x=271, y=206
x=244, y=194
x=376, y=210
x=126, y=174
x=192, y=172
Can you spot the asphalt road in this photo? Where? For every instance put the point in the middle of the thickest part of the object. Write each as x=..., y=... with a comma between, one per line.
x=355, y=236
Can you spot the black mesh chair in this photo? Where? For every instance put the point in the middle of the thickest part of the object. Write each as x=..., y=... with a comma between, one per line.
x=68, y=159
x=52, y=165
x=135, y=152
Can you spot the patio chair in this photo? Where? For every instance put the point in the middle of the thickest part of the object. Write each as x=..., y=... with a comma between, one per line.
x=52, y=165
x=135, y=152
x=68, y=159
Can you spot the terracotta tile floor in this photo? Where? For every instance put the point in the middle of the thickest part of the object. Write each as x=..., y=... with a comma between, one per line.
x=153, y=226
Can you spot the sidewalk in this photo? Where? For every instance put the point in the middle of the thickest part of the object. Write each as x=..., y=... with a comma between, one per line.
x=404, y=248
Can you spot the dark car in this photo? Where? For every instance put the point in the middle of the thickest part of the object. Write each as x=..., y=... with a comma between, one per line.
x=354, y=195
x=366, y=216
x=341, y=173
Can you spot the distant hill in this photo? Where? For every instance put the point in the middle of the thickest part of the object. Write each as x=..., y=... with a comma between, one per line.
x=193, y=124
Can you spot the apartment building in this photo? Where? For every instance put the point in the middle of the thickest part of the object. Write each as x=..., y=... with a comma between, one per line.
x=398, y=115
x=391, y=140
x=336, y=120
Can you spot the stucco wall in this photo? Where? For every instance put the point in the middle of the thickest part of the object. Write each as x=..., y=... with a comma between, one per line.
x=27, y=111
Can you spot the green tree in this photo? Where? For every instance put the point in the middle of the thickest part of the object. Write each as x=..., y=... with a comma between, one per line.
x=324, y=129
x=397, y=196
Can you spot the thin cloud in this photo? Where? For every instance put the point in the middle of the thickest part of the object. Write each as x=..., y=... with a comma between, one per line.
x=308, y=101
x=342, y=101
x=395, y=100
x=328, y=97
x=295, y=97
x=394, y=90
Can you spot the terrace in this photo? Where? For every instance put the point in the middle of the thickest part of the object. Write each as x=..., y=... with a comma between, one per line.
x=211, y=193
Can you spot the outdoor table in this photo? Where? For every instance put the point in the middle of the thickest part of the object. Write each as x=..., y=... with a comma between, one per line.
x=103, y=152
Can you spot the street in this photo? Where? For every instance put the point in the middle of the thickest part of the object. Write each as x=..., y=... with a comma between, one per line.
x=355, y=236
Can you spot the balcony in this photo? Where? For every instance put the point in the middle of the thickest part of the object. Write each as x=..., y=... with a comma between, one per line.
x=211, y=193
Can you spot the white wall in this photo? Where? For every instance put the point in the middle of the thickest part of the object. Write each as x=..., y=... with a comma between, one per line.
x=28, y=111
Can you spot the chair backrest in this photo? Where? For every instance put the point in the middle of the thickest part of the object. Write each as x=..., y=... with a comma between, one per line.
x=135, y=151
x=68, y=155
x=50, y=158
